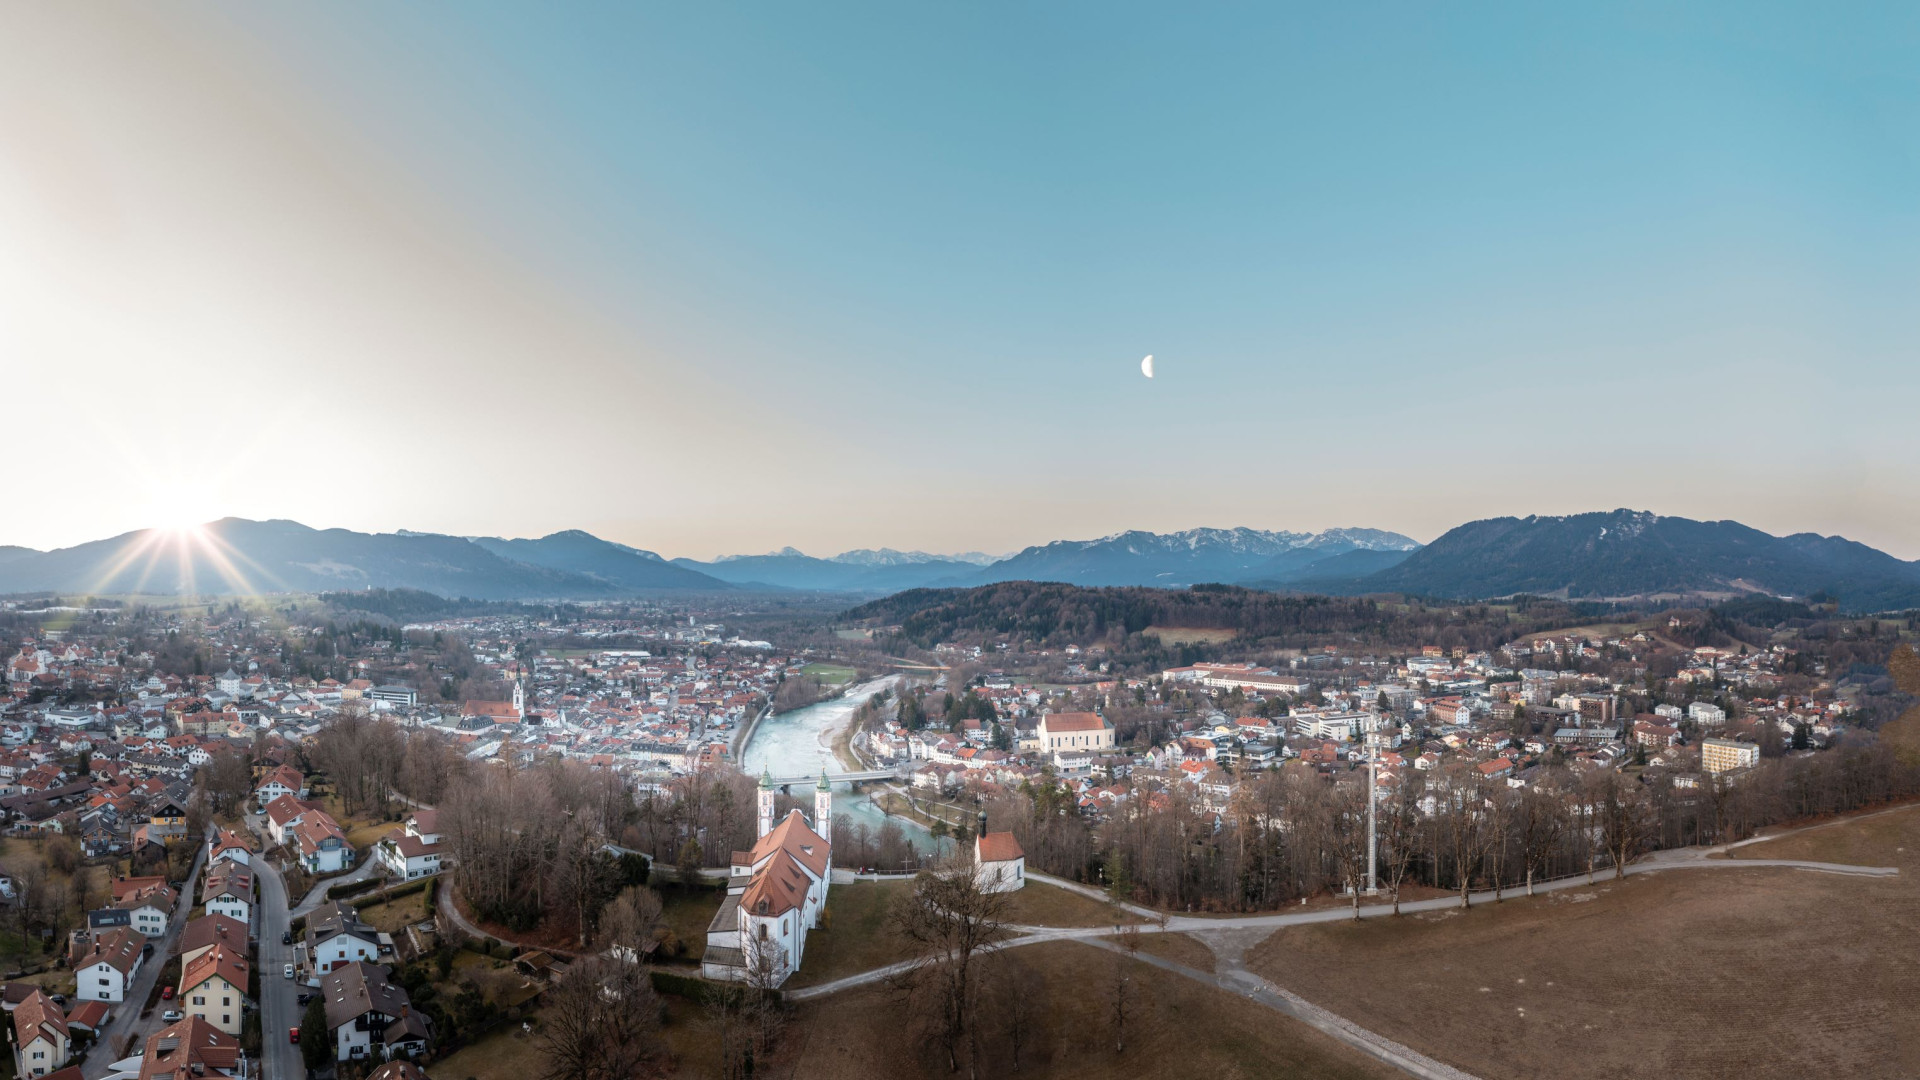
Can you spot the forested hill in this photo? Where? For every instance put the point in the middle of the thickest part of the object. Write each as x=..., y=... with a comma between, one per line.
x=1052, y=614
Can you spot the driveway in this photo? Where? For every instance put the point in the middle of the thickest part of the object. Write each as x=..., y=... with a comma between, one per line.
x=126, y=1015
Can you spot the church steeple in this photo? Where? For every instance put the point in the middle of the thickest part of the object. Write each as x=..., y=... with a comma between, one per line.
x=766, y=801
x=823, y=808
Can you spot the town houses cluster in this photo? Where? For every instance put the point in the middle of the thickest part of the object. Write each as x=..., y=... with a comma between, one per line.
x=1506, y=713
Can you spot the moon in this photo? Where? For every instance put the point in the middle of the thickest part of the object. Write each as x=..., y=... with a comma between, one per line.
x=1146, y=366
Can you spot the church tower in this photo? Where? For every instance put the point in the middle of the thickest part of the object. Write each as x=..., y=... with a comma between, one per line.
x=823, y=808
x=766, y=802
x=519, y=696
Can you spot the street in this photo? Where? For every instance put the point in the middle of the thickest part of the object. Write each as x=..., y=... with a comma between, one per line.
x=279, y=1007
x=126, y=1014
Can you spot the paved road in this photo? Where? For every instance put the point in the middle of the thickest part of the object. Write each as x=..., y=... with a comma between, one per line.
x=126, y=1015
x=279, y=1009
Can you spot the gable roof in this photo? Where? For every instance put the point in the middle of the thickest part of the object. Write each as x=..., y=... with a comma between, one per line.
x=174, y=1050
x=1000, y=847
x=38, y=1016
x=221, y=961
x=1074, y=721
x=211, y=930
x=118, y=949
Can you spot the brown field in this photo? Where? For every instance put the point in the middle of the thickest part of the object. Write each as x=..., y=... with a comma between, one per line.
x=1040, y=904
x=395, y=915
x=1178, y=1029
x=1179, y=948
x=1872, y=839
x=1191, y=635
x=856, y=936
x=1740, y=973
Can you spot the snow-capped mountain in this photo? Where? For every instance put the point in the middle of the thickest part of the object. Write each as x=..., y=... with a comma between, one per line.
x=1189, y=557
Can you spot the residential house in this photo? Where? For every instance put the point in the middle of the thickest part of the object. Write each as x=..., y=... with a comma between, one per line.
x=321, y=845
x=190, y=1049
x=209, y=932
x=214, y=986
x=229, y=891
x=230, y=846
x=281, y=780
x=41, y=1039
x=106, y=972
x=336, y=937
x=369, y=1017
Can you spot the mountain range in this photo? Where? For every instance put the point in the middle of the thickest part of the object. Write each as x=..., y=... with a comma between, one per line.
x=1618, y=555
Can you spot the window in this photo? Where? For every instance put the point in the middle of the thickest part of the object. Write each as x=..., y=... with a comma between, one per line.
x=226, y=1018
x=199, y=1000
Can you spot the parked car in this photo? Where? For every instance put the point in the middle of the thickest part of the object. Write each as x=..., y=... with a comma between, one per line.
x=286, y=937
x=166, y=993
x=304, y=998
x=289, y=971
x=293, y=1036
x=59, y=999
x=170, y=1015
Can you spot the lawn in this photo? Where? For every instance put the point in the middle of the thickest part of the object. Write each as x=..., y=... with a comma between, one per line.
x=1040, y=904
x=507, y=1054
x=1744, y=973
x=396, y=914
x=362, y=832
x=1177, y=1029
x=685, y=913
x=830, y=674
x=855, y=936
x=1179, y=948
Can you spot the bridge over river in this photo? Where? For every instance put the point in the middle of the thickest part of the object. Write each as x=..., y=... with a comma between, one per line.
x=895, y=773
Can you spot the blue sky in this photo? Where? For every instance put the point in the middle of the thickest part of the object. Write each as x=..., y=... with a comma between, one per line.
x=1401, y=266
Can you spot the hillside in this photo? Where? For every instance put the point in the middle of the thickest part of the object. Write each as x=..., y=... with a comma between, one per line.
x=235, y=555
x=1631, y=554
x=623, y=567
x=854, y=572
x=1192, y=557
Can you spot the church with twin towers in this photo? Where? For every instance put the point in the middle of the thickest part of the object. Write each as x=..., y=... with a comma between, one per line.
x=775, y=893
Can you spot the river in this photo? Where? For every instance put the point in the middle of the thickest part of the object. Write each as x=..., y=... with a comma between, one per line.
x=800, y=743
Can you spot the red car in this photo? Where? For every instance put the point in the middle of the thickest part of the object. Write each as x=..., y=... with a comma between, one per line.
x=293, y=1036
x=166, y=993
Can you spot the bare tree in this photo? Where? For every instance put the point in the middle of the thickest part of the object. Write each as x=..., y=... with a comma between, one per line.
x=1623, y=822
x=1400, y=839
x=951, y=919
x=1542, y=821
x=601, y=1022
x=629, y=921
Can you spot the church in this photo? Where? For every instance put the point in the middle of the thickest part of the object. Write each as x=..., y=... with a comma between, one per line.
x=776, y=894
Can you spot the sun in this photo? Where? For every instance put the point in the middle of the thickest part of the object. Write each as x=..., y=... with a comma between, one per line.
x=181, y=522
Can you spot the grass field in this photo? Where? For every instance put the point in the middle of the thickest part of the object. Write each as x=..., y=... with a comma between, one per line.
x=1040, y=904
x=1869, y=840
x=1745, y=973
x=685, y=913
x=1179, y=948
x=856, y=936
x=1177, y=1029
x=507, y=1054
x=396, y=914
x=1191, y=635
x=830, y=674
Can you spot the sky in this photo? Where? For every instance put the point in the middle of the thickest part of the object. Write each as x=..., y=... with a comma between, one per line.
x=710, y=279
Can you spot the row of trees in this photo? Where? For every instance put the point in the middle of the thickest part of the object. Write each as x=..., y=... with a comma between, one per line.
x=1294, y=832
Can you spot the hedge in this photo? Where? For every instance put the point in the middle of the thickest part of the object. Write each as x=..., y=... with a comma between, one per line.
x=354, y=888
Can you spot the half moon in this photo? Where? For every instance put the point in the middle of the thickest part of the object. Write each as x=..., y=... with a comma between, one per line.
x=1146, y=367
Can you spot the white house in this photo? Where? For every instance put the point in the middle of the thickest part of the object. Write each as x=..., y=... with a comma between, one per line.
x=336, y=937
x=230, y=846
x=283, y=780
x=283, y=814
x=406, y=855
x=107, y=971
x=322, y=845
x=229, y=891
